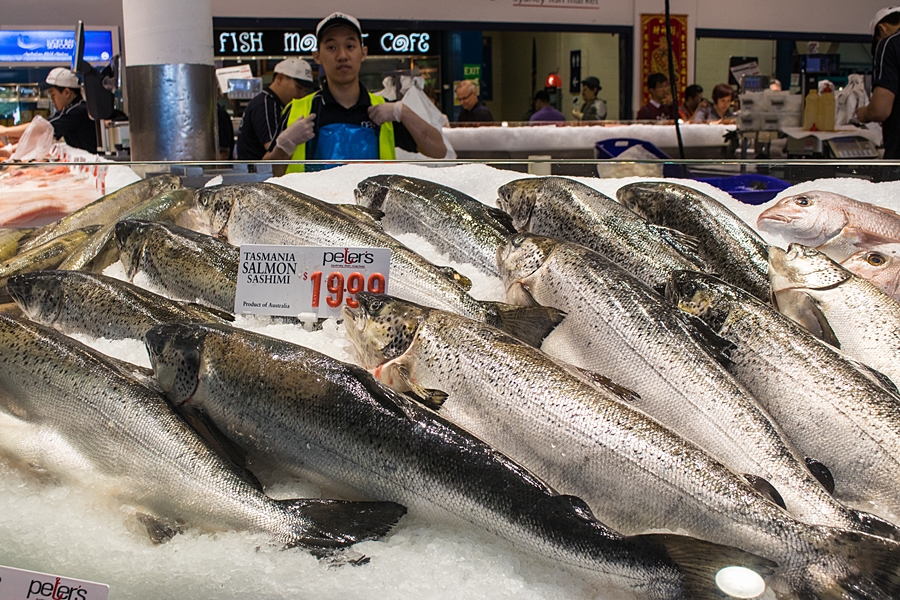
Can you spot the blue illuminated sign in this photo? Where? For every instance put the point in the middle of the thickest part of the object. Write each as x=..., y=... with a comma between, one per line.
x=34, y=46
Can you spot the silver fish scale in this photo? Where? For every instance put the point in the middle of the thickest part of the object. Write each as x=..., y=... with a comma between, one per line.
x=831, y=411
x=636, y=474
x=180, y=263
x=456, y=224
x=733, y=250
x=96, y=305
x=267, y=214
x=129, y=443
x=334, y=423
x=572, y=211
x=618, y=328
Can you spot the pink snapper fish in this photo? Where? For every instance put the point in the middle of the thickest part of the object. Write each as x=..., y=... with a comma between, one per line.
x=880, y=264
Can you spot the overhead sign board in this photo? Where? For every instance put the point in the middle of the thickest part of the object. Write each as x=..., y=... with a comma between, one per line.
x=232, y=42
x=53, y=46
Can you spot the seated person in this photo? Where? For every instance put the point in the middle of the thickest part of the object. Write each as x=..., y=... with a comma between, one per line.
x=543, y=110
x=693, y=100
x=719, y=111
x=659, y=107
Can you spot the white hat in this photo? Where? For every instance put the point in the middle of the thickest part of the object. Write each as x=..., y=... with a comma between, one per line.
x=62, y=77
x=296, y=68
x=337, y=19
x=880, y=15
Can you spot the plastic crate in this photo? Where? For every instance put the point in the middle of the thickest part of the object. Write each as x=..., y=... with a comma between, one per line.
x=750, y=188
x=613, y=147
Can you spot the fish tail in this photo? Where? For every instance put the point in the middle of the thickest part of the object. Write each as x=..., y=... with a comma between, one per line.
x=862, y=567
x=531, y=324
x=333, y=524
x=700, y=562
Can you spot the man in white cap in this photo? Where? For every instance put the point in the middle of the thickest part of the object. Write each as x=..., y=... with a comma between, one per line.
x=262, y=118
x=883, y=108
x=343, y=121
x=71, y=121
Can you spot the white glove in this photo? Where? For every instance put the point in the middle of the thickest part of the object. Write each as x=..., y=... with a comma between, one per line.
x=299, y=132
x=386, y=111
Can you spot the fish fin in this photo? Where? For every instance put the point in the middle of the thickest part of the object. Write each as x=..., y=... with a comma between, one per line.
x=700, y=561
x=578, y=506
x=799, y=307
x=531, y=324
x=335, y=558
x=518, y=293
x=875, y=376
x=216, y=315
x=433, y=399
x=458, y=278
x=686, y=245
x=874, y=525
x=370, y=216
x=220, y=443
x=717, y=346
x=605, y=383
x=821, y=473
x=339, y=523
x=867, y=567
x=503, y=218
x=765, y=489
x=160, y=530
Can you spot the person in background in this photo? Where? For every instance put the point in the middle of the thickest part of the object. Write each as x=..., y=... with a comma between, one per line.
x=883, y=107
x=543, y=110
x=343, y=120
x=593, y=108
x=693, y=99
x=262, y=118
x=71, y=121
x=659, y=107
x=719, y=111
x=775, y=85
x=473, y=110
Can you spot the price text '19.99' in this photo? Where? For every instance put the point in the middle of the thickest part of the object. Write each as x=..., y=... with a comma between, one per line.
x=355, y=282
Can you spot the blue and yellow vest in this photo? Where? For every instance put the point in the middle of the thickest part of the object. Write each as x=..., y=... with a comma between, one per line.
x=301, y=107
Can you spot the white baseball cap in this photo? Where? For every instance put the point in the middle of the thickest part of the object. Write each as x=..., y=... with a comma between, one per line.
x=337, y=19
x=62, y=77
x=880, y=15
x=296, y=68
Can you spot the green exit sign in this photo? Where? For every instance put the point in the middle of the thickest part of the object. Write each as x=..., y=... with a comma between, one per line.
x=472, y=71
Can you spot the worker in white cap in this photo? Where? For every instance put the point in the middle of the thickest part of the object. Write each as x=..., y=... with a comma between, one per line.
x=883, y=107
x=344, y=121
x=71, y=121
x=262, y=118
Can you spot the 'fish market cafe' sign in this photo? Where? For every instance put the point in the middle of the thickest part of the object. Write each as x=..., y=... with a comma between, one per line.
x=248, y=43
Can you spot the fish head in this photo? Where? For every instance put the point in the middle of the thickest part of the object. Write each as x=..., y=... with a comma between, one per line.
x=175, y=354
x=211, y=210
x=382, y=327
x=880, y=264
x=810, y=218
x=518, y=259
x=39, y=294
x=644, y=198
x=803, y=268
x=701, y=295
x=372, y=191
x=131, y=236
x=518, y=199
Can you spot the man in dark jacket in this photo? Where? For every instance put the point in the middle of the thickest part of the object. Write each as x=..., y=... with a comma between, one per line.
x=473, y=110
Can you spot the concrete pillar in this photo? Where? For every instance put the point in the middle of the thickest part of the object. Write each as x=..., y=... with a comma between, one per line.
x=170, y=78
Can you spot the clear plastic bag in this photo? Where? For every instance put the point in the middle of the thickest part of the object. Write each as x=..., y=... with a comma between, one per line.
x=36, y=142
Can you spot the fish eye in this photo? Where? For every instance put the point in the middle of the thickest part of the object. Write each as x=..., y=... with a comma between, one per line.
x=518, y=240
x=801, y=201
x=875, y=259
x=376, y=306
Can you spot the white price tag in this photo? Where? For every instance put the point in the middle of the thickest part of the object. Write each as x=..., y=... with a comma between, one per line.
x=19, y=584
x=290, y=280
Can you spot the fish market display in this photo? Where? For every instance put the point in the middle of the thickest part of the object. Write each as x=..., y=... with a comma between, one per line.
x=179, y=263
x=333, y=421
x=47, y=255
x=880, y=264
x=618, y=328
x=68, y=412
x=569, y=210
x=729, y=247
x=97, y=305
x=865, y=320
x=460, y=226
x=839, y=226
x=829, y=407
x=263, y=213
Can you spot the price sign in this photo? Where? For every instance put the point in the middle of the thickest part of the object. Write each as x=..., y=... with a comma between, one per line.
x=18, y=584
x=307, y=280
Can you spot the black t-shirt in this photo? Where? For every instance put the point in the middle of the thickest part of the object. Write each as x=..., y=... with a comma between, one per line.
x=75, y=126
x=887, y=76
x=479, y=114
x=329, y=111
x=260, y=125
